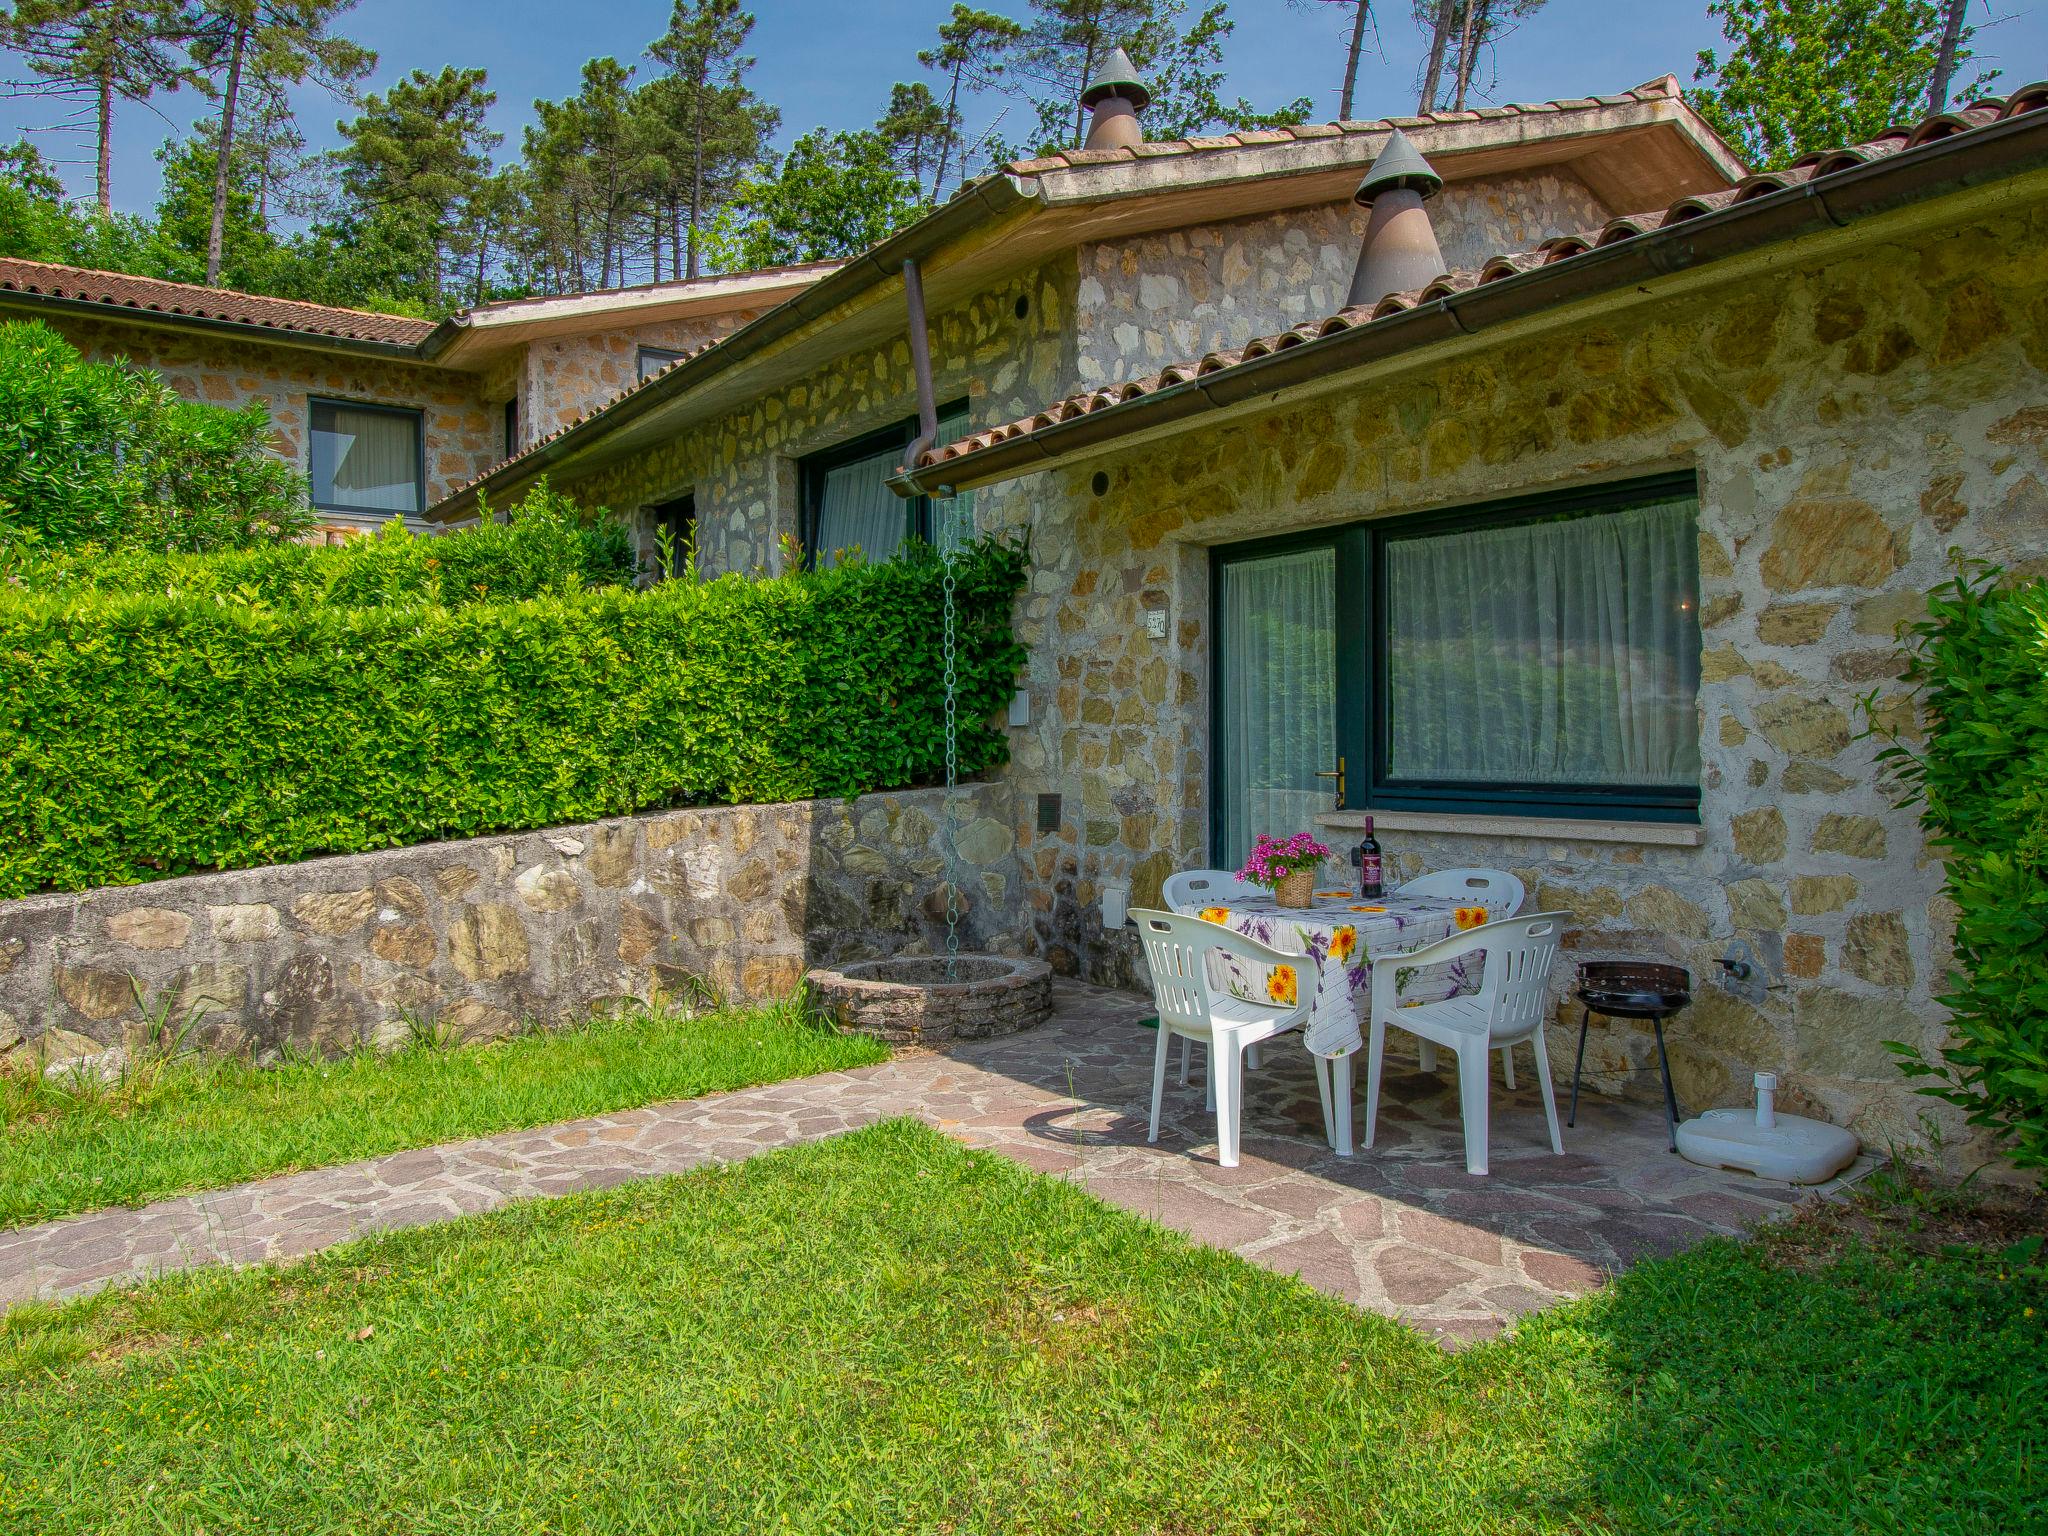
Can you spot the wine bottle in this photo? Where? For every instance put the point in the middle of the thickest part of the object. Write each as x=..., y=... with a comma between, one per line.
x=1369, y=878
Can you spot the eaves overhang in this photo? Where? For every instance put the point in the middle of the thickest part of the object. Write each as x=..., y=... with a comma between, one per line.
x=1942, y=167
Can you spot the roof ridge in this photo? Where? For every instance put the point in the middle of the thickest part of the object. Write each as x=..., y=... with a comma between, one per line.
x=1664, y=88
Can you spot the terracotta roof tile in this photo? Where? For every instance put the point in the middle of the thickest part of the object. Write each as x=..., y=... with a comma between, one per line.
x=119, y=291
x=2030, y=98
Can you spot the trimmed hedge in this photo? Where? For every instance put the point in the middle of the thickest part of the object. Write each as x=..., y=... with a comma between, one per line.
x=1980, y=659
x=149, y=736
x=545, y=544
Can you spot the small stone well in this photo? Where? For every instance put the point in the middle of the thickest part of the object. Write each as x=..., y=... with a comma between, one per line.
x=909, y=1001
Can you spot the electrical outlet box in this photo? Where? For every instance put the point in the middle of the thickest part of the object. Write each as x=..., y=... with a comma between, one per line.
x=1155, y=623
x=1116, y=900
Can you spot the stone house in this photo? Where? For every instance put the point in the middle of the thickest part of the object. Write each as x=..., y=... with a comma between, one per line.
x=388, y=414
x=1681, y=472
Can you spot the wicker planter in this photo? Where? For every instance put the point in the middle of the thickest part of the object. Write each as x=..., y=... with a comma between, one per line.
x=1298, y=889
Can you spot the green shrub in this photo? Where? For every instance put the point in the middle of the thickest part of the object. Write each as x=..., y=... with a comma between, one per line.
x=145, y=735
x=1980, y=659
x=545, y=544
x=107, y=454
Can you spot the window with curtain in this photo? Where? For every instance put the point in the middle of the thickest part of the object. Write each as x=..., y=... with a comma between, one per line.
x=1536, y=657
x=366, y=458
x=849, y=504
x=653, y=359
x=1558, y=651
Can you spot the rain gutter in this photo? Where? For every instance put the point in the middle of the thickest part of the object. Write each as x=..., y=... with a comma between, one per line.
x=1832, y=202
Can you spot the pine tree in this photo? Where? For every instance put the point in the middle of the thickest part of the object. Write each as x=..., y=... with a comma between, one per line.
x=108, y=49
x=411, y=162
x=720, y=125
x=914, y=127
x=971, y=47
x=269, y=44
x=1459, y=31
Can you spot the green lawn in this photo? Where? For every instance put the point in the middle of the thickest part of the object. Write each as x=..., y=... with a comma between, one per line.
x=189, y=1124
x=883, y=1332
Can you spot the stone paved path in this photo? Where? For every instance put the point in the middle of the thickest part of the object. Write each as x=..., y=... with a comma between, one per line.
x=1401, y=1230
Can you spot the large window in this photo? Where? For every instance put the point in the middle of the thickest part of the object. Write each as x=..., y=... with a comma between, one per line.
x=847, y=503
x=1537, y=657
x=366, y=458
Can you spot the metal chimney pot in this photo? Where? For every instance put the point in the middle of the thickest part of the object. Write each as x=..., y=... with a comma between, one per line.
x=1114, y=98
x=1399, y=252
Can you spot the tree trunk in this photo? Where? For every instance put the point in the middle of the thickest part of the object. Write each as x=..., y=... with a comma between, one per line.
x=1439, y=40
x=1465, y=42
x=946, y=144
x=1945, y=55
x=106, y=165
x=1360, y=9
x=221, y=159
x=696, y=180
x=1081, y=112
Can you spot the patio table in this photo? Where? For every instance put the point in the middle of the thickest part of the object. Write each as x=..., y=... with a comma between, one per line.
x=1340, y=936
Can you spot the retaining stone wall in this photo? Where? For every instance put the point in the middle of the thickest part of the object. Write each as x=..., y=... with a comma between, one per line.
x=490, y=933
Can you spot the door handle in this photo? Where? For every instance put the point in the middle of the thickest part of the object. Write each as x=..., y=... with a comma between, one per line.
x=1336, y=773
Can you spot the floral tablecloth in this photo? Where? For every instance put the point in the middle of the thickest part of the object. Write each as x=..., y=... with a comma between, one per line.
x=1339, y=937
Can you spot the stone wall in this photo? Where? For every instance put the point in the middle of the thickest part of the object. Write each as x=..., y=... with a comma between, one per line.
x=1851, y=418
x=1167, y=298
x=562, y=378
x=484, y=935
x=461, y=432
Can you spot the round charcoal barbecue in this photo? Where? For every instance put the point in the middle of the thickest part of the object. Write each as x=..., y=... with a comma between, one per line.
x=1632, y=989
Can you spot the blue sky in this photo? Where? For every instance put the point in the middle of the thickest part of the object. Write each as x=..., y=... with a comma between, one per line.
x=831, y=62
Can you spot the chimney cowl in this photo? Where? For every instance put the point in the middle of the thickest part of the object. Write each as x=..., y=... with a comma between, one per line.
x=1400, y=166
x=1399, y=252
x=1117, y=76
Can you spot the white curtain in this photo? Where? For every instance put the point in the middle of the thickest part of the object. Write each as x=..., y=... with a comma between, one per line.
x=1279, y=695
x=856, y=508
x=366, y=460
x=1562, y=652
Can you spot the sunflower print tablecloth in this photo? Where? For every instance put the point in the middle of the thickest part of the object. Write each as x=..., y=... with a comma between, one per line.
x=1338, y=938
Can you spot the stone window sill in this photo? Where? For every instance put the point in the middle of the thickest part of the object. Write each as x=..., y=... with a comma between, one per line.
x=1662, y=834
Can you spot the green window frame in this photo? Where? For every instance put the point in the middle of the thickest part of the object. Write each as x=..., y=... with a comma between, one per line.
x=1364, y=607
x=814, y=470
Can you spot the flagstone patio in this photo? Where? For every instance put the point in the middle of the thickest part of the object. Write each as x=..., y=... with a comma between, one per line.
x=1401, y=1229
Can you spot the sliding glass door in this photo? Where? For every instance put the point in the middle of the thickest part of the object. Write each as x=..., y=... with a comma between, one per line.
x=1287, y=703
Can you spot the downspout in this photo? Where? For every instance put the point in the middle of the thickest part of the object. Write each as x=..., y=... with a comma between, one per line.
x=921, y=364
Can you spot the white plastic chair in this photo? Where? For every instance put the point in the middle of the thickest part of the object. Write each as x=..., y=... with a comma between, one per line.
x=1177, y=950
x=1494, y=889
x=1510, y=1006
x=1193, y=889
x=1187, y=893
